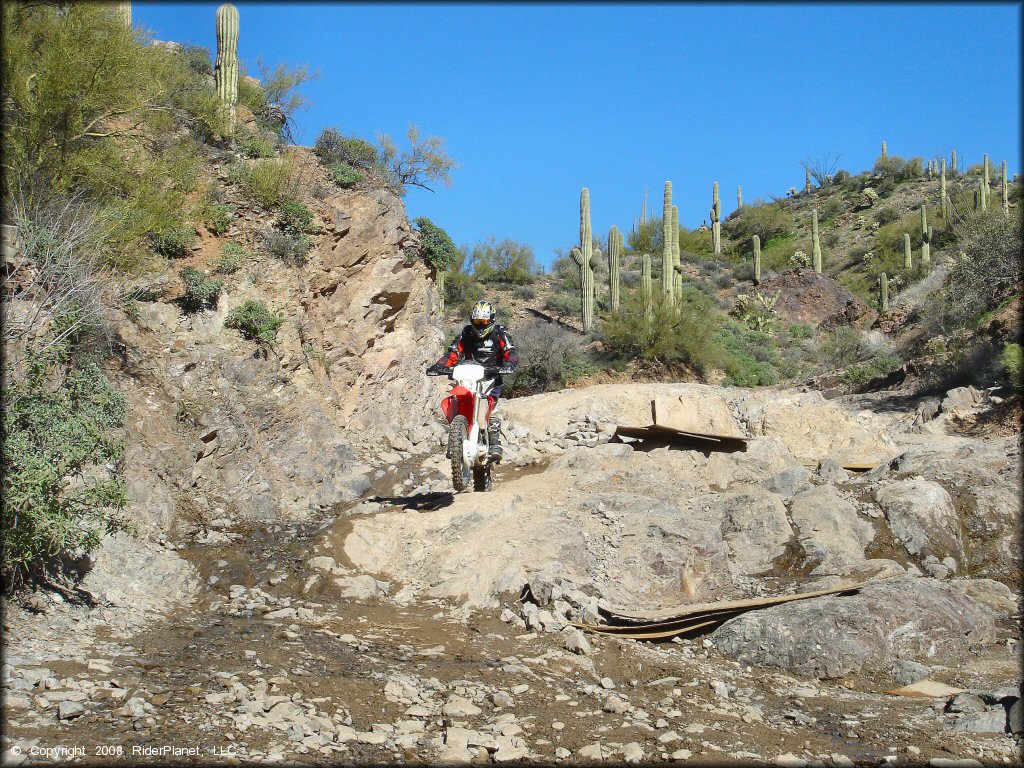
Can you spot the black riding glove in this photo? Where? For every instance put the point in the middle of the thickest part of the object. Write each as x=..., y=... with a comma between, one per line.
x=437, y=370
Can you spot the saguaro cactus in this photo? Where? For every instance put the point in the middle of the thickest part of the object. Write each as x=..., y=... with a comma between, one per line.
x=757, y=260
x=614, y=255
x=586, y=259
x=952, y=162
x=926, y=247
x=677, y=272
x=883, y=284
x=943, y=200
x=982, y=195
x=440, y=292
x=226, y=71
x=739, y=196
x=924, y=219
x=807, y=179
x=883, y=148
x=815, y=243
x=716, y=221
x=666, y=244
x=1006, y=190
x=646, y=286
x=907, y=258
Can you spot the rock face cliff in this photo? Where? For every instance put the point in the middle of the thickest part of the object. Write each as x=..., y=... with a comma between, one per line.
x=221, y=429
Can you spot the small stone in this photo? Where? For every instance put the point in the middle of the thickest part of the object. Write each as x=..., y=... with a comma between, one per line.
x=558, y=725
x=456, y=706
x=520, y=689
x=69, y=710
x=789, y=760
x=502, y=699
x=668, y=737
x=632, y=752
x=576, y=642
x=591, y=752
x=607, y=683
x=615, y=705
x=561, y=753
x=721, y=689
x=681, y=754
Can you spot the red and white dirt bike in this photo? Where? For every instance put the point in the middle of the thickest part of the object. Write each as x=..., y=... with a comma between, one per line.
x=467, y=409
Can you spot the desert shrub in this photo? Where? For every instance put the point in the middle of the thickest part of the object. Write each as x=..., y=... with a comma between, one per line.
x=883, y=362
x=841, y=347
x=217, y=216
x=757, y=310
x=887, y=215
x=461, y=291
x=841, y=177
x=255, y=322
x=647, y=238
x=60, y=422
x=256, y=147
x=766, y=220
x=709, y=267
x=564, y=304
x=1012, y=360
x=889, y=166
x=232, y=257
x=296, y=219
x=744, y=272
x=987, y=268
x=681, y=333
x=724, y=280
x=200, y=291
x=436, y=246
x=175, y=243
x=333, y=148
x=750, y=356
x=291, y=249
x=423, y=163
x=250, y=93
x=344, y=175
x=524, y=292
x=693, y=241
x=551, y=359
x=267, y=182
x=801, y=331
x=507, y=261
x=198, y=59
x=830, y=209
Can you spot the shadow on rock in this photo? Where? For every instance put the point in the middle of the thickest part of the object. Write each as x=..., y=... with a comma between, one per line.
x=421, y=502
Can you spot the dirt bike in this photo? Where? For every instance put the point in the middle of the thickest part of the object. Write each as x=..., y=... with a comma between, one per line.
x=467, y=409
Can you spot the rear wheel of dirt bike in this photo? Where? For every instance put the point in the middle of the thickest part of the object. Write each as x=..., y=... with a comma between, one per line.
x=458, y=433
x=482, y=478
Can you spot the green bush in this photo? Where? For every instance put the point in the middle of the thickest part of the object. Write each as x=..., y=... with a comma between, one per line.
x=344, y=175
x=750, y=356
x=296, y=219
x=841, y=347
x=256, y=147
x=291, y=249
x=1012, y=360
x=255, y=322
x=198, y=59
x=879, y=365
x=564, y=304
x=551, y=357
x=887, y=215
x=175, y=243
x=218, y=217
x=524, y=292
x=766, y=220
x=60, y=425
x=461, y=292
x=200, y=291
x=436, y=247
x=671, y=334
x=503, y=262
x=801, y=331
x=232, y=257
x=332, y=148
x=267, y=182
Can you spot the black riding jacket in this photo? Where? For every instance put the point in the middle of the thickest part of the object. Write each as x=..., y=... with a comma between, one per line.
x=494, y=350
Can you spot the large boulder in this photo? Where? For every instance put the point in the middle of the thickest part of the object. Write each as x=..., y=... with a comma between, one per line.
x=921, y=516
x=831, y=534
x=905, y=618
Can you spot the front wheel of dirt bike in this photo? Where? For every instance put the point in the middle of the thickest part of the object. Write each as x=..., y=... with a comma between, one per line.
x=458, y=433
x=482, y=478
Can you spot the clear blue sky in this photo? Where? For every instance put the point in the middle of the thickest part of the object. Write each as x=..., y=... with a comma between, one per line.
x=538, y=101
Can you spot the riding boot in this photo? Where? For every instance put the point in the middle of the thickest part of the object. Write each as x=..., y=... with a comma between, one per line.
x=494, y=440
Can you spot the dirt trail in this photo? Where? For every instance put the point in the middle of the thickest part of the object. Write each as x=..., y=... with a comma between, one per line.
x=292, y=651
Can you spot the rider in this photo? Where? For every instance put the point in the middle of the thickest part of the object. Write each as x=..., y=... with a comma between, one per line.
x=485, y=342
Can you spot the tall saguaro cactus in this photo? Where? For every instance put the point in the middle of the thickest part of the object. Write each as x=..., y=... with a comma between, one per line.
x=226, y=71
x=943, y=200
x=716, y=221
x=982, y=195
x=807, y=179
x=739, y=196
x=926, y=247
x=757, y=260
x=952, y=162
x=924, y=220
x=815, y=242
x=666, y=243
x=1006, y=190
x=908, y=262
x=883, y=148
x=677, y=272
x=586, y=259
x=646, y=285
x=883, y=284
x=614, y=256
